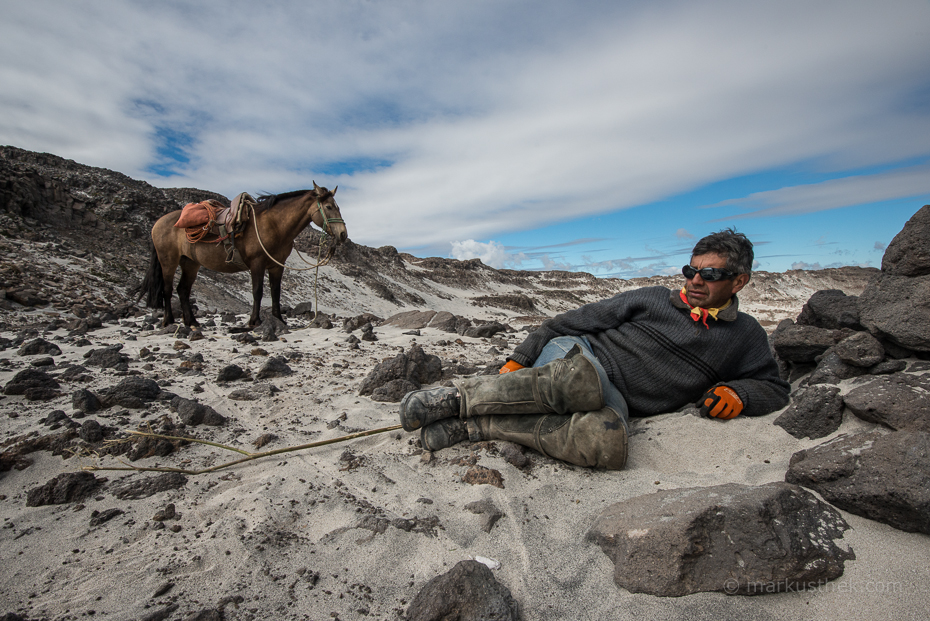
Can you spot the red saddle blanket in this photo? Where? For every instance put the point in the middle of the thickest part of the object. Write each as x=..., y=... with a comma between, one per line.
x=198, y=214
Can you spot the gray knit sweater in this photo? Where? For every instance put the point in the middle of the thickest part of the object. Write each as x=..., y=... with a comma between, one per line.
x=661, y=359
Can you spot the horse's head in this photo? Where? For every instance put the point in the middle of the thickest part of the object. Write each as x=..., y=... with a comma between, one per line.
x=325, y=213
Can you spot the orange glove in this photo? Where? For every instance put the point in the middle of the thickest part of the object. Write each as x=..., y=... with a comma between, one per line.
x=721, y=402
x=510, y=366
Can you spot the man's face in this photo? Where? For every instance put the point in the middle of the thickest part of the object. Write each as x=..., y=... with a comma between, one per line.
x=711, y=294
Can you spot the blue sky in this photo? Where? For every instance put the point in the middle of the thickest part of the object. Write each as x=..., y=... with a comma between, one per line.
x=594, y=136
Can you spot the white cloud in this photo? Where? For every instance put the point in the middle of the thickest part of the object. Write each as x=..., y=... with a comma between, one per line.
x=491, y=254
x=844, y=192
x=802, y=265
x=471, y=119
x=880, y=246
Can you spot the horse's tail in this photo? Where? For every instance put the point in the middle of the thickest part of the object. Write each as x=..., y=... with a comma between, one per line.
x=153, y=285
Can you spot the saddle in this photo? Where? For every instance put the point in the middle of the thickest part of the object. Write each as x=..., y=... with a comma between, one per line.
x=212, y=218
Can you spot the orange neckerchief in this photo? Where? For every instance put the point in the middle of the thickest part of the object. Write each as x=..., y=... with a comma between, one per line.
x=698, y=313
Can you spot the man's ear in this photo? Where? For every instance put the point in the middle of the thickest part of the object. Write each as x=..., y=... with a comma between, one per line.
x=740, y=281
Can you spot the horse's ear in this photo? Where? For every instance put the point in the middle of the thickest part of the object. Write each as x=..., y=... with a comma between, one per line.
x=316, y=187
x=334, y=190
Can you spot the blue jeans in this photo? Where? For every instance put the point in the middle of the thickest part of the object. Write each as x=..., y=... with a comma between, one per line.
x=560, y=345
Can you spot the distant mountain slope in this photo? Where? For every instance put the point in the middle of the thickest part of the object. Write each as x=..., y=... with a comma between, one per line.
x=74, y=232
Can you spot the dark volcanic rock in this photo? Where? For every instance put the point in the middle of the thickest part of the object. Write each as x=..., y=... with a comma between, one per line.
x=393, y=391
x=39, y=346
x=231, y=373
x=898, y=401
x=860, y=349
x=30, y=379
x=796, y=343
x=276, y=366
x=831, y=309
x=101, y=517
x=415, y=366
x=132, y=392
x=884, y=477
x=814, y=413
x=85, y=401
x=193, y=413
x=896, y=308
x=108, y=358
x=467, y=592
x=730, y=538
x=832, y=370
x=91, y=431
x=67, y=487
x=485, y=330
x=135, y=489
x=908, y=254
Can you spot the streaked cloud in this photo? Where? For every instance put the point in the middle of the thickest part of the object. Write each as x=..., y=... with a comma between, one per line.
x=833, y=194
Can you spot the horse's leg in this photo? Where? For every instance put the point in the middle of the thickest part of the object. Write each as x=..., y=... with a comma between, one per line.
x=258, y=282
x=274, y=280
x=168, y=268
x=189, y=269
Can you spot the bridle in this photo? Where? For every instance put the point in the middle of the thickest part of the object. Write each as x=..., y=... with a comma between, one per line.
x=326, y=220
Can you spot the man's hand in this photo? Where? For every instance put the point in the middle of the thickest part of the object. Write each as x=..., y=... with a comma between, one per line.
x=721, y=402
x=510, y=366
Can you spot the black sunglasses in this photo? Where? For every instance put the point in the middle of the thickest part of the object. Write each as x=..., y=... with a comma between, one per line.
x=710, y=274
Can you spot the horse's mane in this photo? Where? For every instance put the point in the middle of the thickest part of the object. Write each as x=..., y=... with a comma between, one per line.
x=267, y=201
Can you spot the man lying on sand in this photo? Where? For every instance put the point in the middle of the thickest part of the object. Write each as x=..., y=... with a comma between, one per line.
x=639, y=353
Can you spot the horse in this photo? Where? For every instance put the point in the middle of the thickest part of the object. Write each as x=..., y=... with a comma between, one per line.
x=276, y=220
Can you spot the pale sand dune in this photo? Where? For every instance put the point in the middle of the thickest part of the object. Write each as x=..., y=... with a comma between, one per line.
x=261, y=530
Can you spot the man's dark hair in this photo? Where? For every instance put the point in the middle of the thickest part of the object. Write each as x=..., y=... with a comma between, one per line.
x=736, y=247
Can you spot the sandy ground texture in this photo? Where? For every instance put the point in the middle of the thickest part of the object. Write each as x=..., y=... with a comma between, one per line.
x=353, y=530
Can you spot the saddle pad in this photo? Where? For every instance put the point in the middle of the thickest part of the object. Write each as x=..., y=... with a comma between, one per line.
x=197, y=214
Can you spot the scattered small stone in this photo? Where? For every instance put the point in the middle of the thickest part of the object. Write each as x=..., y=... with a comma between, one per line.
x=479, y=475
x=265, y=438
x=168, y=513
x=137, y=488
x=99, y=517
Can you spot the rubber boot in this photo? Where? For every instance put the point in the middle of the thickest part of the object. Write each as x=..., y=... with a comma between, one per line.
x=595, y=439
x=563, y=386
x=443, y=434
x=419, y=408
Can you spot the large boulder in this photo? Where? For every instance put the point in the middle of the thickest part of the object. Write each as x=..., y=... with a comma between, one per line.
x=897, y=308
x=898, y=401
x=896, y=305
x=861, y=350
x=39, y=346
x=832, y=370
x=65, y=488
x=831, y=309
x=797, y=343
x=814, y=413
x=415, y=366
x=884, y=477
x=194, y=413
x=30, y=380
x=908, y=254
x=730, y=538
x=467, y=592
x=132, y=392
x=411, y=320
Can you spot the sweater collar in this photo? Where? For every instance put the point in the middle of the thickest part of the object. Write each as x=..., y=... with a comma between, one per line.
x=727, y=312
